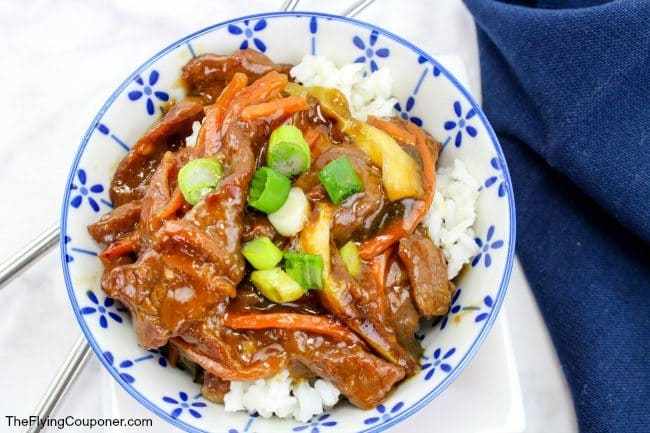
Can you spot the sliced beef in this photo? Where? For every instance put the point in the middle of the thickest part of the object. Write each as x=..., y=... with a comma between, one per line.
x=427, y=271
x=214, y=388
x=362, y=377
x=117, y=223
x=207, y=74
x=135, y=170
x=256, y=226
x=357, y=211
x=402, y=312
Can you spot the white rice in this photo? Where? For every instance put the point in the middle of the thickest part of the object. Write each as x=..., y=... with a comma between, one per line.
x=449, y=224
x=282, y=397
x=368, y=94
x=453, y=213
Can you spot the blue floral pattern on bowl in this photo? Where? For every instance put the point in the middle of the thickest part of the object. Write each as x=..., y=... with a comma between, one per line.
x=430, y=364
x=486, y=246
x=405, y=113
x=249, y=34
x=183, y=403
x=147, y=91
x=384, y=414
x=316, y=423
x=104, y=309
x=461, y=123
x=90, y=193
x=370, y=52
x=496, y=179
x=120, y=367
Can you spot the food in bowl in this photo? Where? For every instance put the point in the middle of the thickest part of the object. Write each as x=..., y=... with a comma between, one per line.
x=281, y=236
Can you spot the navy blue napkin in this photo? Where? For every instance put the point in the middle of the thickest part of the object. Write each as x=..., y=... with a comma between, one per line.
x=566, y=85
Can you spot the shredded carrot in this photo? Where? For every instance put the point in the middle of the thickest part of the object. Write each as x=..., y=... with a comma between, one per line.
x=209, y=136
x=275, y=109
x=401, y=228
x=292, y=321
x=261, y=90
x=394, y=129
x=175, y=203
x=121, y=247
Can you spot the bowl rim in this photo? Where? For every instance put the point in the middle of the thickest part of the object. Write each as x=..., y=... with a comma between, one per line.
x=505, y=277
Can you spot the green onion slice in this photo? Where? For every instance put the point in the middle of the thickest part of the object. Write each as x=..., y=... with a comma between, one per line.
x=340, y=180
x=269, y=190
x=288, y=152
x=276, y=285
x=199, y=177
x=306, y=269
x=351, y=259
x=262, y=253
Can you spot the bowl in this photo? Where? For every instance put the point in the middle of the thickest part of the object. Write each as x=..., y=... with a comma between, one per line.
x=428, y=95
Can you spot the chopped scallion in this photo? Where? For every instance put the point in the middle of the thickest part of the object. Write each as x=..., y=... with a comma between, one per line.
x=199, y=177
x=306, y=269
x=269, y=190
x=288, y=152
x=351, y=259
x=262, y=253
x=340, y=179
x=276, y=285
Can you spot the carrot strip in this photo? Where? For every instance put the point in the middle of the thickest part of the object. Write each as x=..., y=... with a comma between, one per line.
x=401, y=228
x=275, y=109
x=292, y=321
x=209, y=136
x=267, y=87
x=175, y=203
x=121, y=247
x=392, y=128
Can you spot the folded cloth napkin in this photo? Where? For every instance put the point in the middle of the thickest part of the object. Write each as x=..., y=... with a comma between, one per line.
x=566, y=85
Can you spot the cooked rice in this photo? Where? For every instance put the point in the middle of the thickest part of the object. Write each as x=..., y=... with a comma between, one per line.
x=282, y=396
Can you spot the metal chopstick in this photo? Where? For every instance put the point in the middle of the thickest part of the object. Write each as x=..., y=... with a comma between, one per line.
x=23, y=259
x=356, y=8
x=81, y=351
x=61, y=383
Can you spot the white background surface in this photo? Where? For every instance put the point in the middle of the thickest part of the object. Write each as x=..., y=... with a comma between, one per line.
x=60, y=62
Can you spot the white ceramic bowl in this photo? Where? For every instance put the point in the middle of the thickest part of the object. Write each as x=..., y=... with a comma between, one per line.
x=428, y=94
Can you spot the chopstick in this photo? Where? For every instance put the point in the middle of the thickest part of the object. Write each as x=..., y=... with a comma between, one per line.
x=44, y=242
x=27, y=256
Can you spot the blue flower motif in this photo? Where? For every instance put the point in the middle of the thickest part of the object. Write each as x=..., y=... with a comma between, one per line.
x=84, y=191
x=183, y=403
x=126, y=377
x=66, y=241
x=107, y=308
x=435, y=70
x=383, y=414
x=146, y=91
x=369, y=51
x=316, y=421
x=489, y=303
x=406, y=112
x=485, y=247
x=249, y=34
x=430, y=365
x=162, y=361
x=497, y=178
x=461, y=123
x=454, y=309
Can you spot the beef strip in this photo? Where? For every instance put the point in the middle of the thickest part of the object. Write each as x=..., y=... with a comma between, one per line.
x=207, y=74
x=403, y=314
x=427, y=271
x=256, y=226
x=117, y=223
x=357, y=211
x=362, y=377
x=136, y=168
x=214, y=388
